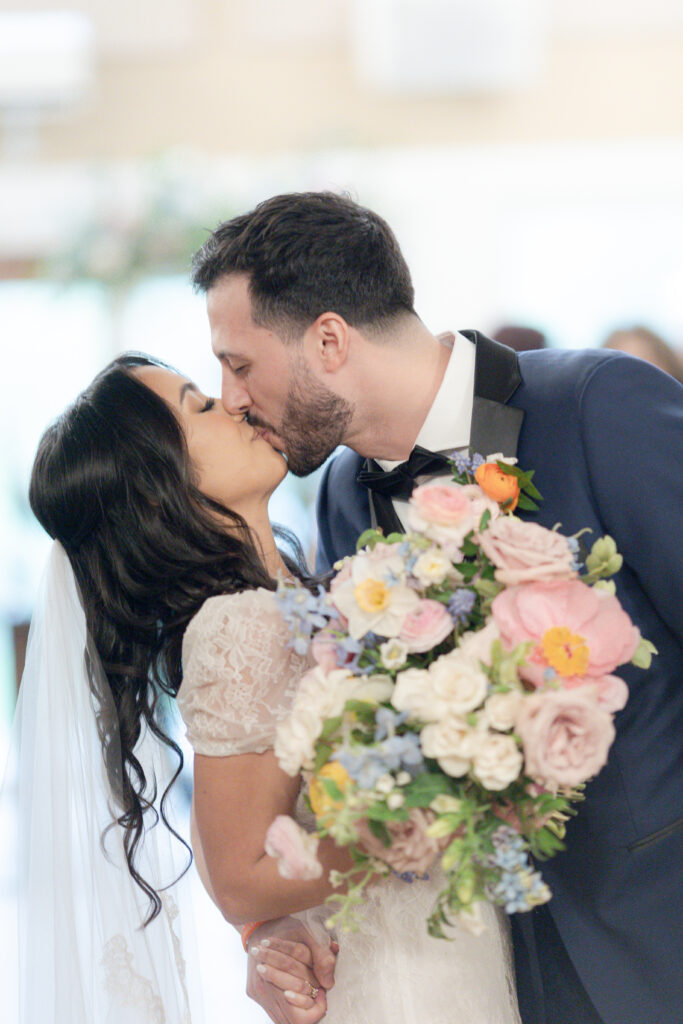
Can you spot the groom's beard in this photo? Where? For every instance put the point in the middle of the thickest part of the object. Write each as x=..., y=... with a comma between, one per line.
x=314, y=423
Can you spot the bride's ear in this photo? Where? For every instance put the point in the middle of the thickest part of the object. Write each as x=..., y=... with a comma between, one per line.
x=326, y=342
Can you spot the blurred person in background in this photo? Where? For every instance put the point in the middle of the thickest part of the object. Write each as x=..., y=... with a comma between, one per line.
x=645, y=344
x=520, y=339
x=311, y=310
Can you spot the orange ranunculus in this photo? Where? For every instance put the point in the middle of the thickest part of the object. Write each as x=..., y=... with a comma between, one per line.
x=497, y=485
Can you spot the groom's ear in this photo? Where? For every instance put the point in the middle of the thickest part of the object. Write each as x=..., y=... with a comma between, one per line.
x=326, y=342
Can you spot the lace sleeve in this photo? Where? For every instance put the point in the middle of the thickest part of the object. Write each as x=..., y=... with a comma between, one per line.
x=239, y=676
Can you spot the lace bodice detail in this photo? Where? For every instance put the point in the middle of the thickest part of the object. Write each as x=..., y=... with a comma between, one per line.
x=239, y=675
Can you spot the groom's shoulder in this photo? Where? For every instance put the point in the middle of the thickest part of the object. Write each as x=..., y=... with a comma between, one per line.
x=572, y=373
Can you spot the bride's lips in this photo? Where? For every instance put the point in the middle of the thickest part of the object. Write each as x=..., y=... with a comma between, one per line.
x=265, y=435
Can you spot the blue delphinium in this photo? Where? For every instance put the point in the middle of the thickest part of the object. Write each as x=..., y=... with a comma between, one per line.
x=461, y=604
x=303, y=611
x=367, y=764
x=518, y=887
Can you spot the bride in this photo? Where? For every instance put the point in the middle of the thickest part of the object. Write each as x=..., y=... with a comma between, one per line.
x=159, y=499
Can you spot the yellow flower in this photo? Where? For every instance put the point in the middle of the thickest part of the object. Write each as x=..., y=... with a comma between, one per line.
x=372, y=596
x=321, y=801
x=565, y=651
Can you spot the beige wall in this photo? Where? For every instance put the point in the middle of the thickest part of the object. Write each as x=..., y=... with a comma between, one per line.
x=203, y=78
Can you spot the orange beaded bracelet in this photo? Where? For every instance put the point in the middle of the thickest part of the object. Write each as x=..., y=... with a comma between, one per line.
x=248, y=930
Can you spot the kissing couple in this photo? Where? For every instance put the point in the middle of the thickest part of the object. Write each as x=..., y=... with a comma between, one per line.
x=162, y=585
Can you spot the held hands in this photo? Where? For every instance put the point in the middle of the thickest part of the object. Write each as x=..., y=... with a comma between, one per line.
x=289, y=972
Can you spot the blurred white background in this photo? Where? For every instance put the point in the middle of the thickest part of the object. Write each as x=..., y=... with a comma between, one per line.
x=528, y=153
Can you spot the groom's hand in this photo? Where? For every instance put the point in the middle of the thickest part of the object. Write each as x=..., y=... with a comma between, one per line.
x=285, y=958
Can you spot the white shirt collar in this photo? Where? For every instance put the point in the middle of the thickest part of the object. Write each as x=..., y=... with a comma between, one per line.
x=449, y=420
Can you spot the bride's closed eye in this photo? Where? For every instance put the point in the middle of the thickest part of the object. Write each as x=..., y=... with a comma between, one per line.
x=208, y=405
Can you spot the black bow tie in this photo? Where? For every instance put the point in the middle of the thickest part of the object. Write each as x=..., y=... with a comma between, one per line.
x=400, y=481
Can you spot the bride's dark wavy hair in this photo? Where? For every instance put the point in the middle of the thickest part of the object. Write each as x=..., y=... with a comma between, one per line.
x=113, y=482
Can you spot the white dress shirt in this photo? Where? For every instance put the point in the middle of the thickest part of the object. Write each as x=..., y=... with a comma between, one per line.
x=449, y=420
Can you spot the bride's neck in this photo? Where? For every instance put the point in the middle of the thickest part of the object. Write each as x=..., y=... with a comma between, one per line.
x=265, y=541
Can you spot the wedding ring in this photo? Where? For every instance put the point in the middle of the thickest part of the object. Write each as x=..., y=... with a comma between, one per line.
x=312, y=990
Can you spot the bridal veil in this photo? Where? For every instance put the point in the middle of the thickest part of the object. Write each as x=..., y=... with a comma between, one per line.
x=81, y=955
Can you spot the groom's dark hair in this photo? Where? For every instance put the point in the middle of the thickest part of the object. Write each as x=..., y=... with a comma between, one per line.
x=307, y=253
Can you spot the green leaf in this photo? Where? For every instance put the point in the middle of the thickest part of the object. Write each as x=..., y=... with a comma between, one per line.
x=394, y=538
x=332, y=789
x=527, y=503
x=485, y=519
x=380, y=812
x=643, y=656
x=330, y=727
x=423, y=789
x=368, y=539
x=379, y=831
x=322, y=756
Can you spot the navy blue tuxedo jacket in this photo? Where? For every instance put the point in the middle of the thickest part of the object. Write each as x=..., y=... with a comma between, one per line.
x=604, y=433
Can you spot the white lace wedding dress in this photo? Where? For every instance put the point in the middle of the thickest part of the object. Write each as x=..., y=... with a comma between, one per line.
x=239, y=681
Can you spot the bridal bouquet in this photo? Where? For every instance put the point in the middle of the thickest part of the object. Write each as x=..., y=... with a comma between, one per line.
x=462, y=693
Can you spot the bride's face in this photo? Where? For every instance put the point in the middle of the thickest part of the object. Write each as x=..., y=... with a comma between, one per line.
x=234, y=465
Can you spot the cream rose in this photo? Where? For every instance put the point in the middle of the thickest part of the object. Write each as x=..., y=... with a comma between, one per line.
x=431, y=567
x=413, y=693
x=295, y=739
x=459, y=685
x=452, y=742
x=497, y=762
x=526, y=551
x=566, y=736
x=501, y=709
x=476, y=645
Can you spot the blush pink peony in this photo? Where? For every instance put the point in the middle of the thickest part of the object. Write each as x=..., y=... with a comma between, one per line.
x=425, y=627
x=566, y=736
x=580, y=632
x=526, y=551
x=412, y=849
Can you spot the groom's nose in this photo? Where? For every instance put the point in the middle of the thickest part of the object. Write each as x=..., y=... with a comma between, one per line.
x=234, y=395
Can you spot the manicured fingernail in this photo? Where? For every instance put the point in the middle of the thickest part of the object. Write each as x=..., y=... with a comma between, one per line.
x=261, y=968
x=290, y=995
x=264, y=942
x=254, y=951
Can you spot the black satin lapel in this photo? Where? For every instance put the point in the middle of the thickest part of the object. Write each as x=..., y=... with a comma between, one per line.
x=496, y=368
x=495, y=425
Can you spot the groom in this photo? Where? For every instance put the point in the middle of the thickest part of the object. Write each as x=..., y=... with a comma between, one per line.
x=311, y=310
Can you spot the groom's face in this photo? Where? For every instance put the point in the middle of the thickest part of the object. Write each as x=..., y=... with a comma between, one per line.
x=271, y=381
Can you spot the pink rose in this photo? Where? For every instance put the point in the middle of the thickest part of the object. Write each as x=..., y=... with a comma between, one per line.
x=566, y=736
x=525, y=551
x=426, y=626
x=445, y=504
x=411, y=848
x=294, y=849
x=580, y=632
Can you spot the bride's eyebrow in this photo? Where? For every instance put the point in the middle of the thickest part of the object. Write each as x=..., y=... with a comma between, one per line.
x=187, y=386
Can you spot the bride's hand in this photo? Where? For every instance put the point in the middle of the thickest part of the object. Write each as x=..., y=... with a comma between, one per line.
x=289, y=972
